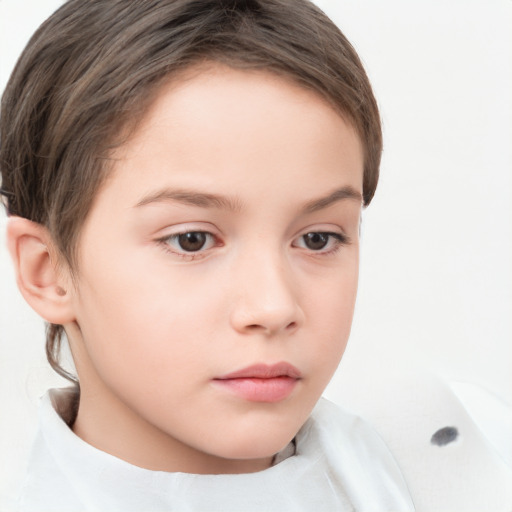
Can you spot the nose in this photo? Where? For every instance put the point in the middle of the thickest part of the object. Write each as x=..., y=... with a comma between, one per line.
x=266, y=298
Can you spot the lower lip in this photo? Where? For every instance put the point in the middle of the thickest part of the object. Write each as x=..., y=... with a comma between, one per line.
x=259, y=390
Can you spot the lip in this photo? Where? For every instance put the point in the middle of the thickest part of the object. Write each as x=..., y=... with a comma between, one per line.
x=261, y=382
x=264, y=371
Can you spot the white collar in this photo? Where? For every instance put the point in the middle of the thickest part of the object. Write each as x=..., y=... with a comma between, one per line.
x=340, y=464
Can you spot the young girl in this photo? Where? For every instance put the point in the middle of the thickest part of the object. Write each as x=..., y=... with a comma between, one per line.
x=184, y=180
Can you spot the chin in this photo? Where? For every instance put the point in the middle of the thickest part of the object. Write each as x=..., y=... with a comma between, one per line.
x=260, y=443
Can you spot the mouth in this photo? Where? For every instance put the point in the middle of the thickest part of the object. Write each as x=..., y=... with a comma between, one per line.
x=261, y=382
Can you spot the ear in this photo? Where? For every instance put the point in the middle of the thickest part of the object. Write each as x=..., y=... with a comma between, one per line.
x=44, y=285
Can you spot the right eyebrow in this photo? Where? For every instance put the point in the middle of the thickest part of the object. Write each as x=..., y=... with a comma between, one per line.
x=191, y=197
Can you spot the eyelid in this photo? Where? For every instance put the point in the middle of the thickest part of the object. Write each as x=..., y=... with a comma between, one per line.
x=176, y=236
x=324, y=227
x=339, y=237
x=183, y=229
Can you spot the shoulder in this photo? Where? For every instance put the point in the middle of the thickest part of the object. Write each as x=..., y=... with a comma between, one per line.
x=357, y=454
x=446, y=458
x=47, y=485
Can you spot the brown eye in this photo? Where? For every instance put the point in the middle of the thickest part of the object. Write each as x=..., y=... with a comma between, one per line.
x=322, y=242
x=190, y=244
x=192, y=241
x=316, y=241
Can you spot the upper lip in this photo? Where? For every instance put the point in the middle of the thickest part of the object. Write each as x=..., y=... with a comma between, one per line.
x=264, y=371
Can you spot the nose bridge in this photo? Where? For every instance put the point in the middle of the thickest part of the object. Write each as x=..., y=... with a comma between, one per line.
x=266, y=294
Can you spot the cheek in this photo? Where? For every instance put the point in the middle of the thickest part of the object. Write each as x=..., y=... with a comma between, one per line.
x=331, y=311
x=148, y=315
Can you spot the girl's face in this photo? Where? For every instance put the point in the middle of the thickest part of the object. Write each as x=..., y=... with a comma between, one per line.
x=218, y=274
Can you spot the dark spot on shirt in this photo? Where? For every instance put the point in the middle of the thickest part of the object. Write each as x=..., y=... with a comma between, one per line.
x=445, y=436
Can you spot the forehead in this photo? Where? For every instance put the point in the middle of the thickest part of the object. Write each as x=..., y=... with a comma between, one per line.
x=216, y=126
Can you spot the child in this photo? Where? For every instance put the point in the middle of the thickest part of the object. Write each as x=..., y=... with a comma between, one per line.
x=184, y=180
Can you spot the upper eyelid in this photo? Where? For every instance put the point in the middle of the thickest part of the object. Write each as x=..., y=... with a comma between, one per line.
x=322, y=227
x=189, y=227
x=179, y=233
x=334, y=231
x=340, y=238
x=218, y=234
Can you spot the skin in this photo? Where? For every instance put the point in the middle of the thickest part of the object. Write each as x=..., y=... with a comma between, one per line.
x=152, y=325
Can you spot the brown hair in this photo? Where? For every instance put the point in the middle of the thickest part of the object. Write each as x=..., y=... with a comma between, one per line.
x=94, y=65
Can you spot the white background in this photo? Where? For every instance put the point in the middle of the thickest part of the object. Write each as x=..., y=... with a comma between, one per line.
x=436, y=272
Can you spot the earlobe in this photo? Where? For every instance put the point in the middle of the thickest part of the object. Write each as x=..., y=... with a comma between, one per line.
x=41, y=282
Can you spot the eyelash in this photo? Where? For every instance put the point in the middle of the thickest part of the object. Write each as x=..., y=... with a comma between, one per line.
x=338, y=241
x=187, y=256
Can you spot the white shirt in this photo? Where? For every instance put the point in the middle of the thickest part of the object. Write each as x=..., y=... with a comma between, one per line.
x=339, y=464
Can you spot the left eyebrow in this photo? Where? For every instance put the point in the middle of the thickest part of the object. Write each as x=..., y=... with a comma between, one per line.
x=339, y=194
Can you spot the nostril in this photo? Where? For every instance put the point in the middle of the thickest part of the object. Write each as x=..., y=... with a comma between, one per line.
x=257, y=327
